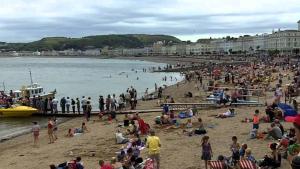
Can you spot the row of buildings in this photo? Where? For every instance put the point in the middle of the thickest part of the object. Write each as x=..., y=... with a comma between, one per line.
x=278, y=42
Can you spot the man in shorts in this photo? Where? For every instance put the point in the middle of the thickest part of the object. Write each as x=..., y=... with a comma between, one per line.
x=153, y=145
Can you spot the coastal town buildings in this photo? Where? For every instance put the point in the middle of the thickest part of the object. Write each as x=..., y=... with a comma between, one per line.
x=277, y=42
x=282, y=41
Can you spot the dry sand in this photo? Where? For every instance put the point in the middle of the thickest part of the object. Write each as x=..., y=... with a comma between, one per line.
x=178, y=151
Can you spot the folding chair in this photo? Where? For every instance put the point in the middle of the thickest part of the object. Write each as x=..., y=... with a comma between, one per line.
x=247, y=164
x=216, y=164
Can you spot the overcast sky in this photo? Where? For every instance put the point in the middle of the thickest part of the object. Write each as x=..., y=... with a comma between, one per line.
x=28, y=20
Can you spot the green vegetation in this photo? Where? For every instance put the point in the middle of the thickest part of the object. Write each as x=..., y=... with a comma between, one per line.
x=98, y=41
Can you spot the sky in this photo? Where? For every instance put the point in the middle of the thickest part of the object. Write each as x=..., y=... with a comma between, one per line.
x=30, y=20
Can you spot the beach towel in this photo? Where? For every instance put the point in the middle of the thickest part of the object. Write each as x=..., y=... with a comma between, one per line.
x=216, y=164
x=287, y=109
x=182, y=115
x=246, y=164
x=290, y=119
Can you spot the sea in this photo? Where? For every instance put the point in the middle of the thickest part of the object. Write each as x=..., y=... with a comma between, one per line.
x=76, y=77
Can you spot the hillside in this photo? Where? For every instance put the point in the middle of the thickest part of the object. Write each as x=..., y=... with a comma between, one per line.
x=97, y=41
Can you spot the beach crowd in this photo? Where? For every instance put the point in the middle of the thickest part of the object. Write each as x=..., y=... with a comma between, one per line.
x=285, y=142
x=227, y=85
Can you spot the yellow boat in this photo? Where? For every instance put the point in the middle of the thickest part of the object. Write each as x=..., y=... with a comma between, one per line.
x=18, y=111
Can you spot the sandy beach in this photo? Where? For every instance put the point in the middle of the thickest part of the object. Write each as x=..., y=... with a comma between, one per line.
x=178, y=150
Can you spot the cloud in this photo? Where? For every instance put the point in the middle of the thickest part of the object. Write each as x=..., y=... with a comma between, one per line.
x=22, y=21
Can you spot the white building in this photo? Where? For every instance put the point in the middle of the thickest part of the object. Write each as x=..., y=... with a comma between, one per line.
x=285, y=41
x=157, y=48
x=91, y=52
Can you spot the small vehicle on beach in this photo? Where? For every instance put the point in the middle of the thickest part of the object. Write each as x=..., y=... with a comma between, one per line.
x=17, y=111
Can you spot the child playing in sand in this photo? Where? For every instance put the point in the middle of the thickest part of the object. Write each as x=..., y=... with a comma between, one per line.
x=189, y=126
x=249, y=156
x=243, y=150
x=256, y=120
x=234, y=148
x=36, y=132
x=189, y=123
x=206, y=150
x=200, y=129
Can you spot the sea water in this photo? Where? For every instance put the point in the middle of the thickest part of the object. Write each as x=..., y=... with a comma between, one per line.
x=77, y=77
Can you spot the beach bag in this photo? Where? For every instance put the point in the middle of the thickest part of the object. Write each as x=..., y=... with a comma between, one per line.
x=253, y=134
x=157, y=120
x=197, y=131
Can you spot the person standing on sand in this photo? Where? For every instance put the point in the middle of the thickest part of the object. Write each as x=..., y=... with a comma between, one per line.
x=68, y=104
x=153, y=145
x=73, y=105
x=36, y=132
x=206, y=150
x=50, y=127
x=55, y=128
x=78, y=105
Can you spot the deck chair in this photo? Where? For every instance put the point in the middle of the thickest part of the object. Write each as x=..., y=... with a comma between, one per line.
x=216, y=164
x=247, y=164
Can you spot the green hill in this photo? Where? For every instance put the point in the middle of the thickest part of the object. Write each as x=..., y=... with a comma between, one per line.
x=98, y=41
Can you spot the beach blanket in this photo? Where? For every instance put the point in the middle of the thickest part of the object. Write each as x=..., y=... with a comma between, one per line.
x=287, y=109
x=182, y=115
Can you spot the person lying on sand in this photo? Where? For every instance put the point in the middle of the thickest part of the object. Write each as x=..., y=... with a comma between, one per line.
x=83, y=129
x=163, y=119
x=120, y=139
x=228, y=113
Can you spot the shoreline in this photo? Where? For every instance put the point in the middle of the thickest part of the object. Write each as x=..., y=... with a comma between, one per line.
x=65, y=119
x=157, y=59
x=28, y=131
